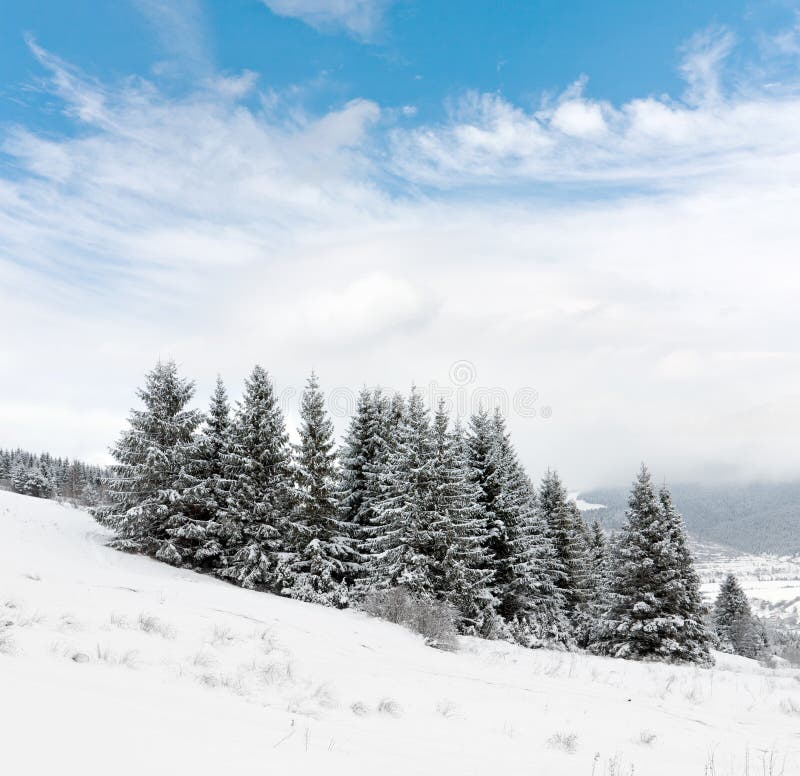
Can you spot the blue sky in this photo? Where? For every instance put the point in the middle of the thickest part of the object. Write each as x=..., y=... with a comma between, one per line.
x=592, y=205
x=413, y=53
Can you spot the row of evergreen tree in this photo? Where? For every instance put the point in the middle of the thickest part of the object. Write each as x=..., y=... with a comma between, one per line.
x=409, y=500
x=45, y=476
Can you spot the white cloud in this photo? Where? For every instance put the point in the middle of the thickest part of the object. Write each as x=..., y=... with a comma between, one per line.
x=206, y=229
x=703, y=58
x=656, y=141
x=181, y=28
x=360, y=18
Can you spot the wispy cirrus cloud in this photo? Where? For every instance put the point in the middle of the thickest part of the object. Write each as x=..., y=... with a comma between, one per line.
x=360, y=18
x=181, y=27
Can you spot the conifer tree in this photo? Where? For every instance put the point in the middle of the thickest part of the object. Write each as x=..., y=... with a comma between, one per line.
x=205, y=487
x=260, y=495
x=566, y=530
x=461, y=574
x=737, y=630
x=692, y=635
x=361, y=461
x=5, y=465
x=400, y=539
x=591, y=611
x=646, y=616
x=143, y=486
x=522, y=552
x=321, y=552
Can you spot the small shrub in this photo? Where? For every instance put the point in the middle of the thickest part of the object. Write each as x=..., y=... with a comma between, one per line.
x=647, y=737
x=790, y=706
x=277, y=672
x=233, y=683
x=222, y=636
x=150, y=624
x=566, y=742
x=28, y=620
x=359, y=709
x=119, y=621
x=266, y=640
x=105, y=654
x=203, y=659
x=390, y=706
x=7, y=644
x=69, y=622
x=446, y=709
x=435, y=620
x=324, y=697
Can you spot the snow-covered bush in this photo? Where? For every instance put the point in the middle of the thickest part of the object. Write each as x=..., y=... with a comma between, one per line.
x=434, y=620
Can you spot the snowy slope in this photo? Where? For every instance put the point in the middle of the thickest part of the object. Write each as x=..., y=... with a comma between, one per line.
x=186, y=674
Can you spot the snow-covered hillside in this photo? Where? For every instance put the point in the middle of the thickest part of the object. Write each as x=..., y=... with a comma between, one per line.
x=112, y=663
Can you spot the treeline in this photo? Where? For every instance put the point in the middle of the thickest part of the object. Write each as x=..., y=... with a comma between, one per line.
x=410, y=500
x=45, y=476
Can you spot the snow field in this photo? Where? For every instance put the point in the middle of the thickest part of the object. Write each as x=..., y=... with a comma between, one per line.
x=117, y=663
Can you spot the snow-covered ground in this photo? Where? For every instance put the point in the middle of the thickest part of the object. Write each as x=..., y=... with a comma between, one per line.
x=772, y=582
x=117, y=664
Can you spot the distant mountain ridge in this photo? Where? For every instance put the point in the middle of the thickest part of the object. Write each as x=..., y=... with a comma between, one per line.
x=755, y=517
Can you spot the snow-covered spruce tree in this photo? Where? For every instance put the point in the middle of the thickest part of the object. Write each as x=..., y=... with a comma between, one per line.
x=567, y=533
x=205, y=487
x=645, y=619
x=361, y=460
x=143, y=486
x=693, y=637
x=461, y=573
x=5, y=466
x=258, y=467
x=19, y=476
x=737, y=630
x=591, y=611
x=400, y=540
x=522, y=553
x=322, y=553
x=32, y=480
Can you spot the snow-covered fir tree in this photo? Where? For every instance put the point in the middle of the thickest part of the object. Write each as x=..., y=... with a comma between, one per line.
x=521, y=551
x=591, y=610
x=646, y=618
x=321, y=551
x=567, y=533
x=258, y=466
x=400, y=540
x=144, y=497
x=462, y=576
x=737, y=630
x=361, y=461
x=693, y=637
x=205, y=487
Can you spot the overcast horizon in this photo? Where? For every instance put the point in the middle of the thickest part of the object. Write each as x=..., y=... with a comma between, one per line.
x=589, y=214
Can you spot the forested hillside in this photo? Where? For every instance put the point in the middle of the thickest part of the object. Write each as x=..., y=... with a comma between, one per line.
x=47, y=476
x=755, y=517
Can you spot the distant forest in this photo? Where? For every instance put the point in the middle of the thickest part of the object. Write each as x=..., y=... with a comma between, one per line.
x=46, y=476
x=757, y=517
